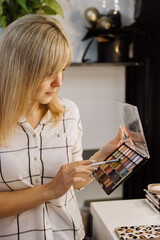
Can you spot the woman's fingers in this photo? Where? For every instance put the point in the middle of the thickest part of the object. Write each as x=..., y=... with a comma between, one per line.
x=84, y=162
x=78, y=180
x=68, y=175
x=120, y=134
x=81, y=169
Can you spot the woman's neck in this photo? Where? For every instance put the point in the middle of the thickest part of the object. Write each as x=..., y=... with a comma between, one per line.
x=32, y=109
x=35, y=114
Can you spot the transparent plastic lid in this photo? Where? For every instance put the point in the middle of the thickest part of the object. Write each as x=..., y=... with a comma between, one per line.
x=131, y=123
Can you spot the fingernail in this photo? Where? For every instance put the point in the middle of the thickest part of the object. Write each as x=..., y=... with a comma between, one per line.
x=92, y=160
x=94, y=168
x=90, y=176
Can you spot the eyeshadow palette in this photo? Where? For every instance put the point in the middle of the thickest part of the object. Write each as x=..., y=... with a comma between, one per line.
x=128, y=157
x=110, y=175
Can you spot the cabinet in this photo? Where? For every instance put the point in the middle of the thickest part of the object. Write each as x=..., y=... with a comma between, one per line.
x=111, y=214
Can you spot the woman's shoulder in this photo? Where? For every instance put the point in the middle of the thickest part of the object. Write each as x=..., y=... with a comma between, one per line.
x=68, y=103
x=70, y=106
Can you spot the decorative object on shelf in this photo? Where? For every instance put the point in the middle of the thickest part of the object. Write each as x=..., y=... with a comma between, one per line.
x=113, y=39
x=10, y=10
x=91, y=15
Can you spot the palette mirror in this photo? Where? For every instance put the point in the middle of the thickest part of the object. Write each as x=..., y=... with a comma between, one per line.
x=128, y=157
x=132, y=126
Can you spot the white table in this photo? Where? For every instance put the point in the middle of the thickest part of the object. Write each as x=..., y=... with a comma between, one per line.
x=111, y=214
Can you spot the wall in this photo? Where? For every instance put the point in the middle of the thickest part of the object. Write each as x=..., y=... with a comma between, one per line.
x=94, y=89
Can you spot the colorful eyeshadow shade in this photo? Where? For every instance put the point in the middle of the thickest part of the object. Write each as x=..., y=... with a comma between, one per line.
x=111, y=175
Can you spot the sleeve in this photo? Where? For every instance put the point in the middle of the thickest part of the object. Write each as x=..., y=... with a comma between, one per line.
x=77, y=149
x=74, y=128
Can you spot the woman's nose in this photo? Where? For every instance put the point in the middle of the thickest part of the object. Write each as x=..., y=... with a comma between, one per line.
x=57, y=81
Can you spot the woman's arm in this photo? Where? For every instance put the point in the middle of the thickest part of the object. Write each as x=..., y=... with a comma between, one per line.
x=101, y=155
x=16, y=202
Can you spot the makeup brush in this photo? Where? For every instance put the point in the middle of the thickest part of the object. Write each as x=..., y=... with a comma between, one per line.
x=104, y=162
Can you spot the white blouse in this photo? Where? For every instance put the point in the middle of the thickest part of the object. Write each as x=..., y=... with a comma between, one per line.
x=34, y=157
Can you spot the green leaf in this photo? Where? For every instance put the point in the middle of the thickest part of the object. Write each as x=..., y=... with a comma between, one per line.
x=1, y=7
x=3, y=22
x=54, y=5
x=34, y=4
x=13, y=9
x=1, y=1
x=22, y=3
x=47, y=10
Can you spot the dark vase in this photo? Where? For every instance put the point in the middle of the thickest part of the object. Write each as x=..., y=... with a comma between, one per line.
x=113, y=51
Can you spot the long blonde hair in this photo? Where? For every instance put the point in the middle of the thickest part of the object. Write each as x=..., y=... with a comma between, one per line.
x=32, y=48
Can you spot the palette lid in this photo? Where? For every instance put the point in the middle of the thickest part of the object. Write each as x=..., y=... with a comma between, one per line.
x=132, y=126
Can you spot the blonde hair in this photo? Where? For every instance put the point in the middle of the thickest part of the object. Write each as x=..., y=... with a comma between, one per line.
x=32, y=48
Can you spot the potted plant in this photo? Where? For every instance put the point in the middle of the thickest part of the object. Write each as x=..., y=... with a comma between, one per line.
x=10, y=10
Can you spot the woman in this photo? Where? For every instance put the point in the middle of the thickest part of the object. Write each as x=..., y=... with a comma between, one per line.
x=40, y=141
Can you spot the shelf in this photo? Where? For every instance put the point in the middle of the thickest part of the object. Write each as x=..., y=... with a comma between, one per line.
x=90, y=64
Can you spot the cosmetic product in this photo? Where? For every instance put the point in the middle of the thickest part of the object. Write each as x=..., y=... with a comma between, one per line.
x=138, y=232
x=130, y=155
x=104, y=162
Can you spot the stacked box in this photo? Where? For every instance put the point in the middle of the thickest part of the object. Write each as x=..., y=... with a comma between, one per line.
x=153, y=199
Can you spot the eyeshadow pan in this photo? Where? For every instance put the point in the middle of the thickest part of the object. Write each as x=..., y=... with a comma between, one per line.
x=136, y=158
x=118, y=179
x=139, y=160
x=130, y=154
x=106, y=181
x=124, y=173
x=115, y=177
x=126, y=163
x=114, y=154
x=125, y=152
x=118, y=170
x=133, y=156
x=104, y=178
x=115, y=164
x=111, y=173
x=132, y=166
x=124, y=160
x=122, y=148
x=109, y=183
x=129, y=164
x=118, y=166
x=98, y=171
x=104, y=166
x=118, y=155
x=109, y=158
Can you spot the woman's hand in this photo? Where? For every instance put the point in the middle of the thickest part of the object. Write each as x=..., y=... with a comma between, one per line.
x=108, y=148
x=70, y=174
x=16, y=202
x=137, y=137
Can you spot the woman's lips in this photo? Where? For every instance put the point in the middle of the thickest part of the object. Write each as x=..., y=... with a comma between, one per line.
x=50, y=93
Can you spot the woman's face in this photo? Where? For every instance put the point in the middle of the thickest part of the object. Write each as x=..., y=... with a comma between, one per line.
x=47, y=89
